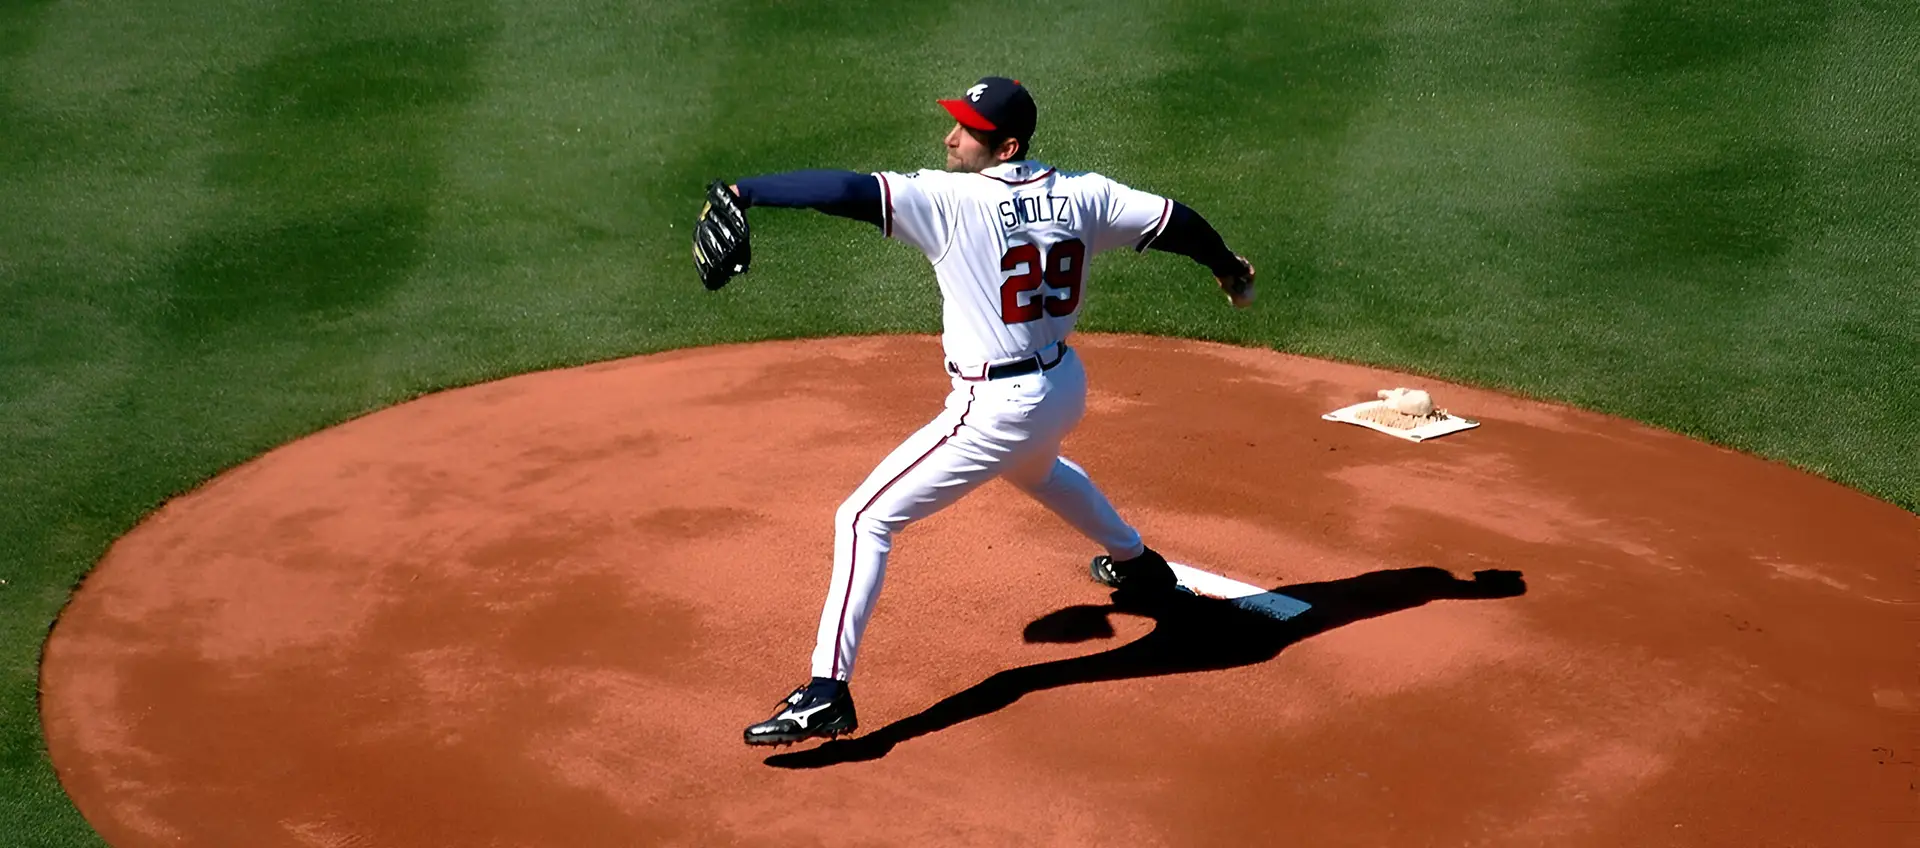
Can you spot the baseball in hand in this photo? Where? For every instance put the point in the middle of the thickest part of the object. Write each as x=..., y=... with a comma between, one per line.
x=1239, y=288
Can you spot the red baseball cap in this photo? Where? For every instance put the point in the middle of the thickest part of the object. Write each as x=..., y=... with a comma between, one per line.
x=996, y=104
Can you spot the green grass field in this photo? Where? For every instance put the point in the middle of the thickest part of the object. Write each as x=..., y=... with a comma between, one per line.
x=226, y=224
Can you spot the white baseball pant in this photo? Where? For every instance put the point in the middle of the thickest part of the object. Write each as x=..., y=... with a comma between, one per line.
x=1012, y=428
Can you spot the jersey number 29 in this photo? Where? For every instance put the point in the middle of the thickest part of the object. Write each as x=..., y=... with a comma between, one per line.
x=1022, y=297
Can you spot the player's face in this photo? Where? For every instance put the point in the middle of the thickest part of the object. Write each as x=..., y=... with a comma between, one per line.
x=968, y=153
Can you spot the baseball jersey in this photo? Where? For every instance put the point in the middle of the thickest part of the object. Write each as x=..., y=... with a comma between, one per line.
x=1009, y=246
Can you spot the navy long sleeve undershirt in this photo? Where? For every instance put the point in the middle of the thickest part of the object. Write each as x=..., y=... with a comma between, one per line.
x=844, y=193
x=850, y=194
x=1191, y=236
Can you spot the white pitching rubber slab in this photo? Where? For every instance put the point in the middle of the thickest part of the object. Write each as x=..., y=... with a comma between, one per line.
x=1243, y=595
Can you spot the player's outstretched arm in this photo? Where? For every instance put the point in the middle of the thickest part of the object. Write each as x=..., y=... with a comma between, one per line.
x=844, y=193
x=1191, y=236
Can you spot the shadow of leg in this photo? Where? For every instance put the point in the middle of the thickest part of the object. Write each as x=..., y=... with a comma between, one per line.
x=1191, y=634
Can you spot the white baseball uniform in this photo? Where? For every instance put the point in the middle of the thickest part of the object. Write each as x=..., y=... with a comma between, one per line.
x=1009, y=246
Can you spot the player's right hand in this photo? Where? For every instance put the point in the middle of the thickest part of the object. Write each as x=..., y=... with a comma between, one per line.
x=1239, y=288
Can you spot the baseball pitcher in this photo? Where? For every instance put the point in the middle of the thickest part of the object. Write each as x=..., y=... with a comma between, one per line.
x=1009, y=239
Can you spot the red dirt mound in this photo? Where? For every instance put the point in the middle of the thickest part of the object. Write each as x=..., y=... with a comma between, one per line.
x=539, y=612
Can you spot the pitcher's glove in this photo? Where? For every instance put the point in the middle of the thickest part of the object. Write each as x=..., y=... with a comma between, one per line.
x=721, y=247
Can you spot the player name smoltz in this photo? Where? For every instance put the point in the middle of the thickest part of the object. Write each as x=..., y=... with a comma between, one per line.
x=1036, y=209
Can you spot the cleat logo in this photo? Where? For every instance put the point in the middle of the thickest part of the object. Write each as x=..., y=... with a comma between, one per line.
x=973, y=94
x=800, y=716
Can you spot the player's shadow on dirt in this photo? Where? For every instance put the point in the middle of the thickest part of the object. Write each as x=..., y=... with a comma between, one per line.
x=1192, y=634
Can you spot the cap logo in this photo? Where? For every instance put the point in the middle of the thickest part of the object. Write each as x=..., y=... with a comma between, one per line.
x=974, y=93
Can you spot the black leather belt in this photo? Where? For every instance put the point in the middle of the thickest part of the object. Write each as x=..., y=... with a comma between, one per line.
x=1011, y=369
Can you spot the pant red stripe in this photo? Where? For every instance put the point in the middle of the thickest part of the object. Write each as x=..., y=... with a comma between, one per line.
x=853, y=558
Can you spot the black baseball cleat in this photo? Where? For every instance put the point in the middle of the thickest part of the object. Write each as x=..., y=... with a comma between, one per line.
x=1146, y=573
x=823, y=707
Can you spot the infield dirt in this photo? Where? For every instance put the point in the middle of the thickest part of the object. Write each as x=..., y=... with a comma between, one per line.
x=539, y=612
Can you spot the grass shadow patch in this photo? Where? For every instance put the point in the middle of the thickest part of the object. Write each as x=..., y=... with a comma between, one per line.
x=1674, y=222
x=325, y=174
x=1665, y=36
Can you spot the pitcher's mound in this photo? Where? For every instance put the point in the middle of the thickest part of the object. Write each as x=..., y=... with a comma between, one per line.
x=540, y=611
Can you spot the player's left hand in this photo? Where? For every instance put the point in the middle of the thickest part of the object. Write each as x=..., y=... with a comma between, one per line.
x=1239, y=288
